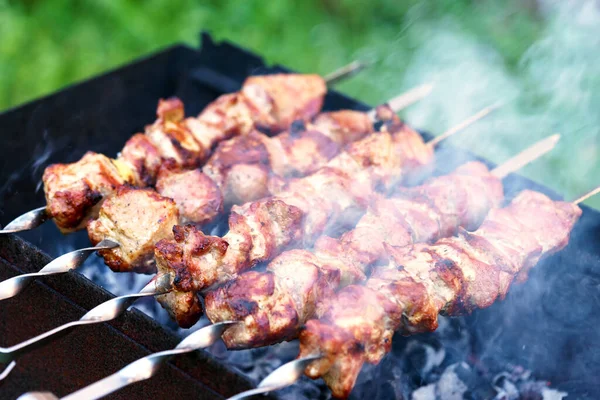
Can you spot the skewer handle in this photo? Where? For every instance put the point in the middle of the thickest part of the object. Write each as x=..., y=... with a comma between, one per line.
x=345, y=72
x=104, y=312
x=464, y=124
x=282, y=377
x=587, y=195
x=526, y=156
x=146, y=367
x=37, y=396
x=30, y=220
x=65, y=263
x=404, y=100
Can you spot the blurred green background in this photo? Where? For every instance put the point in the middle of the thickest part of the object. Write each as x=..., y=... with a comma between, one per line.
x=539, y=57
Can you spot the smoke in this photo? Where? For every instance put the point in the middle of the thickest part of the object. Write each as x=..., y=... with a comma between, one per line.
x=554, y=89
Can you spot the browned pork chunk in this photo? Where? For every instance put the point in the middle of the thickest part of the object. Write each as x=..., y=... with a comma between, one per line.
x=175, y=140
x=75, y=191
x=271, y=304
x=280, y=99
x=143, y=157
x=183, y=307
x=451, y=277
x=136, y=219
x=198, y=198
x=344, y=126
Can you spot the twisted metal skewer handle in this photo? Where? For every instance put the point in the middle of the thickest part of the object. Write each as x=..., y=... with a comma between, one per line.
x=30, y=220
x=282, y=377
x=37, y=396
x=13, y=286
x=104, y=312
x=146, y=367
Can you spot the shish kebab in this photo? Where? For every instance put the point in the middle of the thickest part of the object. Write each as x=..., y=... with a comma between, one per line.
x=127, y=219
x=470, y=178
x=243, y=169
x=394, y=146
x=270, y=102
x=273, y=305
x=335, y=197
x=451, y=277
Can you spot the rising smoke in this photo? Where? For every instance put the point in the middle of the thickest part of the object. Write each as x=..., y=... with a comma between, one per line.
x=556, y=88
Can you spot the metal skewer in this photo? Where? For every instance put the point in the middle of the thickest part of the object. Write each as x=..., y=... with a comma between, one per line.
x=282, y=377
x=146, y=367
x=476, y=117
x=70, y=261
x=278, y=380
x=65, y=263
x=29, y=220
x=34, y=218
x=104, y=312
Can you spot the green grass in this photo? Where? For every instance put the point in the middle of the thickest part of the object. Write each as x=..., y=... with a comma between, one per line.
x=476, y=51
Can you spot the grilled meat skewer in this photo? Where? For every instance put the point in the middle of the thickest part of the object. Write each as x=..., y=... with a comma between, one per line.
x=334, y=196
x=263, y=102
x=199, y=198
x=451, y=277
x=280, y=300
x=268, y=102
x=199, y=261
x=298, y=282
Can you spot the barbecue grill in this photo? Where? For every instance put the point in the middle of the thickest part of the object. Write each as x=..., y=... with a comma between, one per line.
x=546, y=325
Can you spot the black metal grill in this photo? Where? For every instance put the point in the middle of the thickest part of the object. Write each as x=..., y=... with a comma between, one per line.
x=548, y=324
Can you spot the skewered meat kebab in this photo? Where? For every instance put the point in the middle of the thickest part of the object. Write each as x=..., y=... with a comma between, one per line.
x=273, y=102
x=184, y=303
x=138, y=218
x=334, y=196
x=146, y=367
x=262, y=229
x=273, y=305
x=451, y=277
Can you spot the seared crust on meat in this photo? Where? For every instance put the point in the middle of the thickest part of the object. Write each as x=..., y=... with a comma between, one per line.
x=171, y=110
x=344, y=126
x=305, y=152
x=240, y=167
x=246, y=167
x=198, y=198
x=247, y=149
x=75, y=191
x=272, y=305
x=451, y=277
x=136, y=219
x=256, y=232
x=175, y=140
x=183, y=307
x=278, y=100
x=428, y=213
x=225, y=117
x=143, y=157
